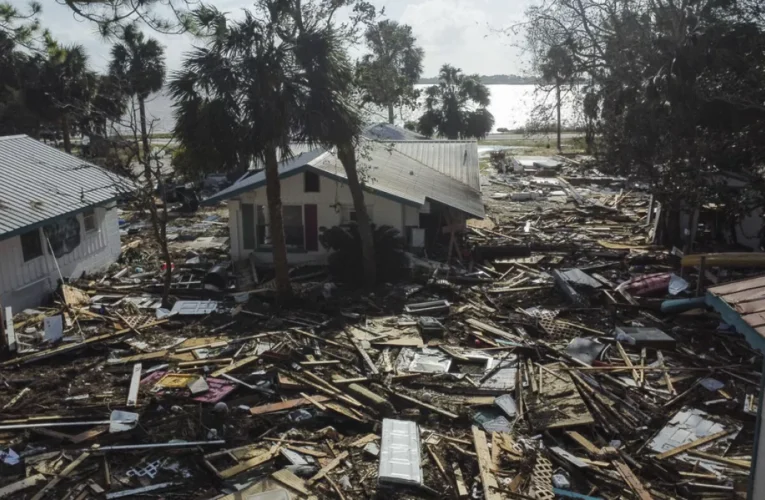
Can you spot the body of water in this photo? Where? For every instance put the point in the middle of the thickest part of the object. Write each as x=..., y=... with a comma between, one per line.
x=511, y=105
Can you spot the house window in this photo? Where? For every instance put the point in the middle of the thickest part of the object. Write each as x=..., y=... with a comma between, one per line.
x=293, y=226
x=31, y=246
x=89, y=220
x=248, y=226
x=349, y=214
x=311, y=182
x=292, y=218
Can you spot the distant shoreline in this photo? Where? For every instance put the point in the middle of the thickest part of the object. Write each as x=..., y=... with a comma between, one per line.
x=492, y=80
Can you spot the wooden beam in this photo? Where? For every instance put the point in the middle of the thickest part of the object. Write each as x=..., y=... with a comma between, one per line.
x=234, y=366
x=10, y=489
x=488, y=480
x=327, y=468
x=427, y=406
x=64, y=473
x=694, y=444
x=285, y=405
x=632, y=481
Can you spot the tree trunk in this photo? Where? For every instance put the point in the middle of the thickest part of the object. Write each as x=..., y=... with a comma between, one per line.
x=159, y=223
x=391, y=113
x=347, y=155
x=65, y=133
x=278, y=244
x=557, y=89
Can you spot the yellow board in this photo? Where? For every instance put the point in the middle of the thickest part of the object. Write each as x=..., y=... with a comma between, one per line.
x=176, y=380
x=612, y=245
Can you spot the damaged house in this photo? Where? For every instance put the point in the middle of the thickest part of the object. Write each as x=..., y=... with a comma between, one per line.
x=58, y=217
x=423, y=188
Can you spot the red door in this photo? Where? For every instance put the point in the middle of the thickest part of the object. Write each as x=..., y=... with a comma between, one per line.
x=311, y=222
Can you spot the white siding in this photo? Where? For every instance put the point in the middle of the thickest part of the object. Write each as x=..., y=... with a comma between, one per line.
x=26, y=284
x=332, y=197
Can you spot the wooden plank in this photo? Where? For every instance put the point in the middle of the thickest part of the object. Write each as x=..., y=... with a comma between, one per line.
x=426, y=405
x=585, y=443
x=751, y=307
x=89, y=434
x=249, y=464
x=437, y=462
x=8, y=490
x=488, y=480
x=627, y=361
x=135, y=382
x=694, y=444
x=492, y=329
x=285, y=405
x=328, y=468
x=64, y=473
x=286, y=477
x=462, y=491
x=314, y=402
x=364, y=440
x=632, y=481
x=235, y=366
x=364, y=356
x=746, y=464
x=203, y=362
x=745, y=296
x=738, y=286
x=755, y=319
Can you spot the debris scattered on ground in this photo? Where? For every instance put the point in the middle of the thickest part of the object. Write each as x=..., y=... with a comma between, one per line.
x=540, y=366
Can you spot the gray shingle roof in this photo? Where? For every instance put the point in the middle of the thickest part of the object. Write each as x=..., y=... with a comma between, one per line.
x=39, y=183
x=388, y=171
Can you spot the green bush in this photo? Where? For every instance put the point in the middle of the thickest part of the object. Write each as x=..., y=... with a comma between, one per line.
x=345, y=261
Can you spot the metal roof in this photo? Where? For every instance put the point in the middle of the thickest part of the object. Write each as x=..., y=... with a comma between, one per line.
x=386, y=171
x=39, y=183
x=457, y=159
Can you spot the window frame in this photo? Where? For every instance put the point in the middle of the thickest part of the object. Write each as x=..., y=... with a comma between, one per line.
x=262, y=231
x=24, y=247
x=310, y=174
x=90, y=213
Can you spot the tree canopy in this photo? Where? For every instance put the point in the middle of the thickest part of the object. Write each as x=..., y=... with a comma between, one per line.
x=388, y=74
x=676, y=90
x=456, y=107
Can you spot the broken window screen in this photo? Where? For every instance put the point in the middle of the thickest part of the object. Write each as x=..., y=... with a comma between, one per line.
x=89, y=220
x=311, y=182
x=293, y=226
x=31, y=246
x=248, y=226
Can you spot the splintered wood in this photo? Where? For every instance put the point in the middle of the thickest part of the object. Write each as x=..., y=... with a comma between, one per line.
x=560, y=404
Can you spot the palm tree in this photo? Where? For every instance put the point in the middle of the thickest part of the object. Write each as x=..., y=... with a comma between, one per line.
x=456, y=106
x=61, y=87
x=138, y=69
x=138, y=65
x=274, y=80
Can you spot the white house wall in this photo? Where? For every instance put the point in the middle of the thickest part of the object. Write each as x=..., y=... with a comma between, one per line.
x=330, y=200
x=26, y=284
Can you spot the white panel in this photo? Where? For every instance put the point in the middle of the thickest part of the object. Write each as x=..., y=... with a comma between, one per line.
x=400, y=453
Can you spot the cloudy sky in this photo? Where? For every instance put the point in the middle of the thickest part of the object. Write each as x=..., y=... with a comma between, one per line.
x=463, y=33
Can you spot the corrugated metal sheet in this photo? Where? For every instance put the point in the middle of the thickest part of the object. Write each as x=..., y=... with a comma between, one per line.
x=457, y=159
x=39, y=183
